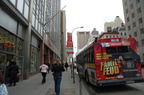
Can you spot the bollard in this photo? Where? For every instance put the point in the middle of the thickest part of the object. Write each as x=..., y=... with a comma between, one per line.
x=80, y=73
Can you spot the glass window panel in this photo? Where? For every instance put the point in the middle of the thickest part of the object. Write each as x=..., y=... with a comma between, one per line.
x=13, y=2
x=27, y=1
x=33, y=20
x=26, y=11
x=20, y=4
x=20, y=47
x=36, y=24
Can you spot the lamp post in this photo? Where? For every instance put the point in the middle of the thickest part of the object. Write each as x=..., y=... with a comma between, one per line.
x=72, y=56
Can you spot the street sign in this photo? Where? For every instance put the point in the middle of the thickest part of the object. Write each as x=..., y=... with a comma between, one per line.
x=70, y=55
x=69, y=44
x=70, y=50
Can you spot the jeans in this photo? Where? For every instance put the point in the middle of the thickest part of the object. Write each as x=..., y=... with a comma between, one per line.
x=44, y=77
x=57, y=80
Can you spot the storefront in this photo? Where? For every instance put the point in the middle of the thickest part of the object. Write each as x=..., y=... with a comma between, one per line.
x=11, y=48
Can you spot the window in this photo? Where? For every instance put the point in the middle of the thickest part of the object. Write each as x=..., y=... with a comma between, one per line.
x=137, y=1
x=139, y=10
x=142, y=31
x=142, y=42
x=13, y=2
x=128, y=19
x=132, y=15
x=140, y=20
x=20, y=4
x=131, y=6
x=26, y=11
x=134, y=24
x=129, y=28
x=110, y=50
x=135, y=34
x=126, y=11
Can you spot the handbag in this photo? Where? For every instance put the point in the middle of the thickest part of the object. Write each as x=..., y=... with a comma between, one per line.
x=3, y=89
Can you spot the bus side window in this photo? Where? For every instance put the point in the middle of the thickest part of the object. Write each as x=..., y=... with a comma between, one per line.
x=110, y=50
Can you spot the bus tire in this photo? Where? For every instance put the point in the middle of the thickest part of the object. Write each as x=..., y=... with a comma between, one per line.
x=87, y=77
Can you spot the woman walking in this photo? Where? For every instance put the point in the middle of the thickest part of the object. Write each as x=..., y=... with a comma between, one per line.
x=57, y=69
x=44, y=70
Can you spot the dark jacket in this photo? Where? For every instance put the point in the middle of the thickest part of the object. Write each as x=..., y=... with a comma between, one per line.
x=13, y=70
x=57, y=69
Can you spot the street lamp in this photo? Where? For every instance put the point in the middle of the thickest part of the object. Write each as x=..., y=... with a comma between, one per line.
x=72, y=56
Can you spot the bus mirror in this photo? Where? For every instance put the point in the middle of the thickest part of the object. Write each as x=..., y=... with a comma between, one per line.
x=80, y=71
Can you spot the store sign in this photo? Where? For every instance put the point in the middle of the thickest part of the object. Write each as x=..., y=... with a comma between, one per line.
x=70, y=51
x=69, y=44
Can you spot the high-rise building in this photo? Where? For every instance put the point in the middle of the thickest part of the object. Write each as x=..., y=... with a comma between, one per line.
x=134, y=22
x=63, y=34
x=30, y=33
x=82, y=39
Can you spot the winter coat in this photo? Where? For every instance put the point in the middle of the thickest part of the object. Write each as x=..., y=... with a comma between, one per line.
x=57, y=69
x=13, y=70
x=43, y=68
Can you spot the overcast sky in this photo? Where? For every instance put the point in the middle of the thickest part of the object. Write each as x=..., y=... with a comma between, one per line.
x=91, y=13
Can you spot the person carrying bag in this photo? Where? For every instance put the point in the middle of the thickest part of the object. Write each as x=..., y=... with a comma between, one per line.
x=3, y=88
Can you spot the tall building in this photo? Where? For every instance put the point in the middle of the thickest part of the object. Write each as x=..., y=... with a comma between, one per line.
x=30, y=33
x=134, y=21
x=63, y=34
x=109, y=26
x=82, y=39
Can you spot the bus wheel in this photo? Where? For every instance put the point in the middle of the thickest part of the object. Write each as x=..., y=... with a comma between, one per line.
x=87, y=77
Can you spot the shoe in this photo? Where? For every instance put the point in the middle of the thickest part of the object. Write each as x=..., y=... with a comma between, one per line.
x=14, y=84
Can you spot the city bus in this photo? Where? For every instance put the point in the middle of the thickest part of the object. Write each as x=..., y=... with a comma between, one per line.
x=110, y=61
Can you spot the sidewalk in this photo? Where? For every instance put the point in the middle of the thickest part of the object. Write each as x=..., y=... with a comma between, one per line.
x=33, y=86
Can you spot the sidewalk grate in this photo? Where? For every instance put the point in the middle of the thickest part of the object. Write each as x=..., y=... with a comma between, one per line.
x=62, y=92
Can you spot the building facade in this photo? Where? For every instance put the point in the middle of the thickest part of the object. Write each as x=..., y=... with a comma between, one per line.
x=109, y=26
x=134, y=21
x=30, y=34
x=82, y=39
x=63, y=38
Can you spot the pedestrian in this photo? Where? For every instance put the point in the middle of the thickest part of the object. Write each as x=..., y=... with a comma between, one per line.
x=57, y=69
x=43, y=69
x=2, y=80
x=13, y=73
x=3, y=88
x=66, y=66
